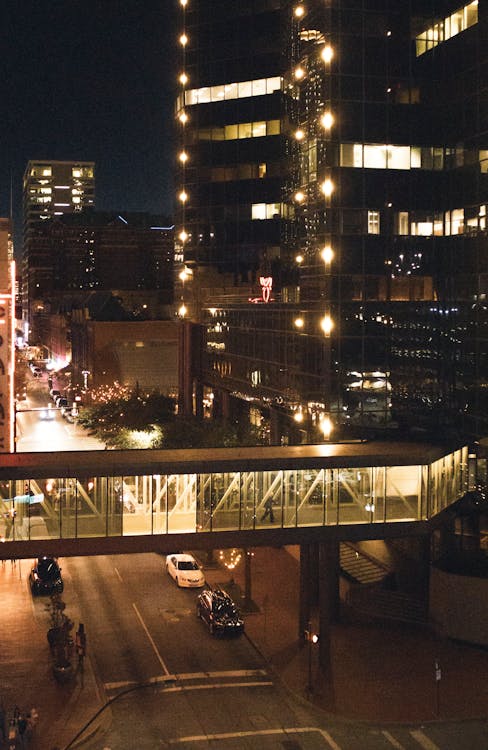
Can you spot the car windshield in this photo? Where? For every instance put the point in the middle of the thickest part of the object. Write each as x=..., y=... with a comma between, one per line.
x=187, y=565
x=47, y=569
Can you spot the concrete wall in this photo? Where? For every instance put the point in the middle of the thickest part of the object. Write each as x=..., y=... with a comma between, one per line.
x=458, y=606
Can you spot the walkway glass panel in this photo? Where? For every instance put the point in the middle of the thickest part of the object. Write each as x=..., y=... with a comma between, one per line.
x=142, y=502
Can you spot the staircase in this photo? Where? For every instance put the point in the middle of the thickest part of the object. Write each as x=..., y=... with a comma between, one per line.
x=359, y=568
x=367, y=593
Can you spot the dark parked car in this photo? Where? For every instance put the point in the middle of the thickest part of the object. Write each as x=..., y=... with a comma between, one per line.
x=45, y=577
x=216, y=608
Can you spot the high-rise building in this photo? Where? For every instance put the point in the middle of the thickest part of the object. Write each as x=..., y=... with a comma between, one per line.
x=50, y=189
x=231, y=142
x=373, y=312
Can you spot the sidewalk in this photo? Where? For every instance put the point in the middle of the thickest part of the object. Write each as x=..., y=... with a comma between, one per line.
x=379, y=671
x=27, y=665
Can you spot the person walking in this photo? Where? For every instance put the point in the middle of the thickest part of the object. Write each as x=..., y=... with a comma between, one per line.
x=268, y=510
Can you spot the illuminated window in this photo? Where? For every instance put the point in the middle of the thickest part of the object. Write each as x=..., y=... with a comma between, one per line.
x=401, y=221
x=245, y=130
x=262, y=211
x=454, y=24
x=262, y=171
x=240, y=130
x=258, y=129
x=238, y=90
x=259, y=87
x=375, y=157
x=217, y=93
x=244, y=89
x=258, y=211
x=398, y=157
x=373, y=222
x=273, y=127
x=273, y=211
x=231, y=132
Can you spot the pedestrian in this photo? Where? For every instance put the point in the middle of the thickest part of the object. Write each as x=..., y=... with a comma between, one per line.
x=268, y=510
x=9, y=522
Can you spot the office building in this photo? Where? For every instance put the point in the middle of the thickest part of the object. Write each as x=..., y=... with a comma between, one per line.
x=372, y=318
x=231, y=143
x=50, y=189
x=126, y=260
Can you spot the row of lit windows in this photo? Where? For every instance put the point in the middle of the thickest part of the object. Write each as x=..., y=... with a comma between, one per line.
x=223, y=92
x=382, y=156
x=417, y=223
x=240, y=172
x=450, y=26
x=239, y=130
x=47, y=171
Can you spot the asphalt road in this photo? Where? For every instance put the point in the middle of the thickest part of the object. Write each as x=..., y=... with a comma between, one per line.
x=171, y=684
x=35, y=434
x=164, y=682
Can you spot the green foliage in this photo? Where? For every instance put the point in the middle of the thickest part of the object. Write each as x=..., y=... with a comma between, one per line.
x=135, y=420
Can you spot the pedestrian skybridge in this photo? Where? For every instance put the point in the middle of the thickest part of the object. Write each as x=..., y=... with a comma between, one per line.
x=100, y=499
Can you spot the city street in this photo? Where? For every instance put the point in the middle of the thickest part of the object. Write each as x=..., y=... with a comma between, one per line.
x=155, y=677
x=35, y=434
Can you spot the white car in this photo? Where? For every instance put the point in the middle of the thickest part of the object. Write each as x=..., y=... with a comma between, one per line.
x=47, y=413
x=185, y=570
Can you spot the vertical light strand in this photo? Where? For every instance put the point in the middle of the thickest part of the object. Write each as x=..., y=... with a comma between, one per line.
x=182, y=234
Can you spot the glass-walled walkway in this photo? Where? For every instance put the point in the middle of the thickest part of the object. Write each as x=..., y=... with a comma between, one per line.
x=123, y=493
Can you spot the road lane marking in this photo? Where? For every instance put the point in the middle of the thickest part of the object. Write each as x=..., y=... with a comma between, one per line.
x=423, y=740
x=392, y=740
x=232, y=735
x=190, y=676
x=118, y=575
x=160, y=658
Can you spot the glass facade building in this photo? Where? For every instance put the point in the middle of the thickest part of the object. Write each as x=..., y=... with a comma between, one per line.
x=377, y=318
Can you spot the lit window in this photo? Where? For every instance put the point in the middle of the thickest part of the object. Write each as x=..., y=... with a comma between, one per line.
x=245, y=130
x=398, y=157
x=375, y=157
x=262, y=170
x=259, y=87
x=231, y=132
x=373, y=222
x=273, y=211
x=402, y=222
x=273, y=127
x=244, y=89
x=273, y=84
x=217, y=93
x=258, y=211
x=258, y=129
x=231, y=91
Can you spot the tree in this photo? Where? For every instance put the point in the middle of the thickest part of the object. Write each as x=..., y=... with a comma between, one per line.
x=126, y=419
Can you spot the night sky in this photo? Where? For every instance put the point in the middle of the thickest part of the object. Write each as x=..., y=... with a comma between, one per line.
x=91, y=80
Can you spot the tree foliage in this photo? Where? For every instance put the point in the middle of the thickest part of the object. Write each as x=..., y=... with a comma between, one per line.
x=127, y=419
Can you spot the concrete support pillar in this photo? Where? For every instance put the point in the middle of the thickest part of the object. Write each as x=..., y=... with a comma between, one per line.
x=304, y=595
x=329, y=602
